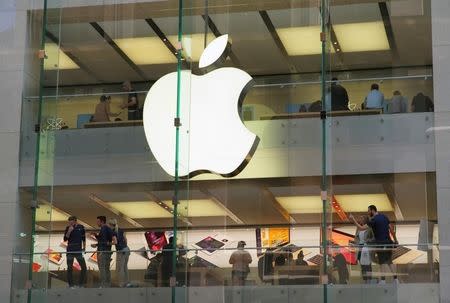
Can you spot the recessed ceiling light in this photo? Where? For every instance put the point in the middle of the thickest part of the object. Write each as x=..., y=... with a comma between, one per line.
x=146, y=50
x=46, y=213
x=199, y=208
x=57, y=59
x=348, y=203
x=140, y=209
x=301, y=204
x=300, y=41
x=361, y=37
x=359, y=203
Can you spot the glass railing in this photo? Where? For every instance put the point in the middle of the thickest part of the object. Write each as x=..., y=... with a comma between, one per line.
x=347, y=267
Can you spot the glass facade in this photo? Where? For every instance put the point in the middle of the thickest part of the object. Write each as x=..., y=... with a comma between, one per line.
x=238, y=145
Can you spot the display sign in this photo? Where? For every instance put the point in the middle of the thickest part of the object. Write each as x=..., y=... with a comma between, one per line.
x=272, y=237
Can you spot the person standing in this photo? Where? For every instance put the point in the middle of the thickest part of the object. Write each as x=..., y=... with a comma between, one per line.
x=375, y=99
x=240, y=260
x=339, y=96
x=167, y=262
x=75, y=236
x=382, y=230
x=103, y=110
x=122, y=253
x=104, y=242
x=363, y=239
x=132, y=103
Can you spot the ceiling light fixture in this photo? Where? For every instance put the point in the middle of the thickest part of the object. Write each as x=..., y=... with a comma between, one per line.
x=56, y=59
x=362, y=37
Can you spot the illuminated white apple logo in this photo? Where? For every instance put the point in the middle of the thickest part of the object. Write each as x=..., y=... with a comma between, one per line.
x=212, y=136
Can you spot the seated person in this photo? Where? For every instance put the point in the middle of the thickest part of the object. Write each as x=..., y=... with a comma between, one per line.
x=300, y=259
x=422, y=103
x=316, y=106
x=398, y=104
x=375, y=99
x=102, y=110
x=339, y=96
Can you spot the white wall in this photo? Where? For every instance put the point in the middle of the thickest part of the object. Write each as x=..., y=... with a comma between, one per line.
x=13, y=26
x=441, y=62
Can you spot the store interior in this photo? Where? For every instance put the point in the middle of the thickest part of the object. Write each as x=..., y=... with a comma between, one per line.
x=91, y=51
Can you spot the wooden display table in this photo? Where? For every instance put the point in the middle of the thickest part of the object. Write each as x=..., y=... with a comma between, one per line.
x=340, y=113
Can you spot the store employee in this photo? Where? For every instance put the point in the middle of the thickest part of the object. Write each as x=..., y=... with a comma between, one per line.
x=75, y=236
x=132, y=102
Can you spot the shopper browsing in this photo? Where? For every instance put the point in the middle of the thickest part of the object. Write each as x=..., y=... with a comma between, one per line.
x=75, y=236
x=122, y=253
x=132, y=103
x=104, y=242
x=240, y=260
x=382, y=230
x=363, y=239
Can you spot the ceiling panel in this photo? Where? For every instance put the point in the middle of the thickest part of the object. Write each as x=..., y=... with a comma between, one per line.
x=90, y=48
x=252, y=43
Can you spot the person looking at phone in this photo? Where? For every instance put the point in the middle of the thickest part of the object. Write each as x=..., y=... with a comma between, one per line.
x=75, y=236
x=104, y=242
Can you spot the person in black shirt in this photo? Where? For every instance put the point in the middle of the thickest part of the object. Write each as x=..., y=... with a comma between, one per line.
x=122, y=253
x=132, y=103
x=75, y=236
x=104, y=242
x=339, y=96
x=166, y=262
x=421, y=103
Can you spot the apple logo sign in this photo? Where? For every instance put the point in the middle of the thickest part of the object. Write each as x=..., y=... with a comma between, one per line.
x=212, y=137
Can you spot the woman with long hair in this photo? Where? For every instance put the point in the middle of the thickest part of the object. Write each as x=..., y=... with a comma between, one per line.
x=122, y=251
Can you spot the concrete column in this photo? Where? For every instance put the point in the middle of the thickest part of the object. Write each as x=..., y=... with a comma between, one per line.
x=16, y=73
x=440, y=12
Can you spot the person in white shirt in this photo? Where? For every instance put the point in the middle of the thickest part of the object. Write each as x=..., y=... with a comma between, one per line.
x=375, y=99
x=240, y=259
x=363, y=239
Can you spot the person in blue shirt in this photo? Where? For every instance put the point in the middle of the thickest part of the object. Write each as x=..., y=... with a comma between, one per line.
x=375, y=99
x=382, y=230
x=122, y=253
x=75, y=236
x=104, y=242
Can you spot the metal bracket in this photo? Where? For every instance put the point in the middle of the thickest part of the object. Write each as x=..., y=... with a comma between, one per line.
x=175, y=201
x=177, y=122
x=34, y=204
x=323, y=37
x=323, y=195
x=323, y=115
x=41, y=54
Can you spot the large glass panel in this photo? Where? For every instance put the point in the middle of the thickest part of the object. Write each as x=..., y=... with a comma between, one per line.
x=248, y=133
x=380, y=150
